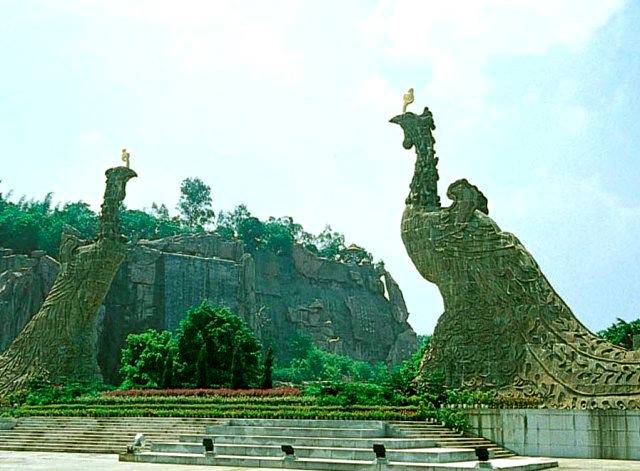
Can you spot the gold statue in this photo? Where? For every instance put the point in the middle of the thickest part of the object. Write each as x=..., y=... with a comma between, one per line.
x=408, y=99
x=125, y=157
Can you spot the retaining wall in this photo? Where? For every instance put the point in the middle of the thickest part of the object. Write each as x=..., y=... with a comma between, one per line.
x=612, y=434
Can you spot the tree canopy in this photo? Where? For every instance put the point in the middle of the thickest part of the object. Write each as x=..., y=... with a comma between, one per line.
x=218, y=348
x=145, y=359
x=27, y=225
x=196, y=203
x=621, y=333
x=212, y=348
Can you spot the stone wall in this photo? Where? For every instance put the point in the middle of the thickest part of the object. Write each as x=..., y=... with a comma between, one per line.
x=603, y=434
x=357, y=310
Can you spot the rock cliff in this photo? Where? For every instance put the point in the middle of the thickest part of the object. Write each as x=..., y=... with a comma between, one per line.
x=357, y=310
x=24, y=283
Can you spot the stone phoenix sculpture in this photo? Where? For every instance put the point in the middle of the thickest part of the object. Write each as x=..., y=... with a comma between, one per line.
x=504, y=326
x=59, y=342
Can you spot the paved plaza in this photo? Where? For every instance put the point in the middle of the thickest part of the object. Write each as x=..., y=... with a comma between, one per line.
x=37, y=461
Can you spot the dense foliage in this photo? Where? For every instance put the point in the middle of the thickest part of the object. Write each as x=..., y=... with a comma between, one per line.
x=148, y=360
x=212, y=348
x=217, y=348
x=38, y=224
x=310, y=363
x=621, y=333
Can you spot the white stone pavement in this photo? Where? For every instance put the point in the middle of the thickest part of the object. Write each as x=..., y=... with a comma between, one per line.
x=37, y=461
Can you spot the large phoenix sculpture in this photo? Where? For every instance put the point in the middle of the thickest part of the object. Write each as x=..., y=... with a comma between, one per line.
x=504, y=326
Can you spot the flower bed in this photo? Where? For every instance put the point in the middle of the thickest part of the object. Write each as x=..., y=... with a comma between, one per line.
x=205, y=392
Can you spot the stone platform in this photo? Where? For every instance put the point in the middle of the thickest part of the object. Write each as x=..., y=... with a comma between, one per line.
x=320, y=445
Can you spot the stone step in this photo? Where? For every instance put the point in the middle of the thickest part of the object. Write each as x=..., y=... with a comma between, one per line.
x=308, y=423
x=426, y=455
x=65, y=435
x=336, y=442
x=518, y=464
x=274, y=431
x=115, y=429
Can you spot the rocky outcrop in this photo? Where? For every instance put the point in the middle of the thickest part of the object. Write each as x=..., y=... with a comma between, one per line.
x=353, y=309
x=24, y=283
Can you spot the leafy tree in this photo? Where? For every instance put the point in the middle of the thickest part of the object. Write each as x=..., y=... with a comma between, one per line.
x=330, y=244
x=252, y=232
x=621, y=333
x=19, y=230
x=278, y=237
x=195, y=204
x=144, y=359
x=213, y=339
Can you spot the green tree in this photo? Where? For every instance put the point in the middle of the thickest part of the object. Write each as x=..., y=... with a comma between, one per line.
x=252, y=232
x=19, y=230
x=144, y=358
x=330, y=244
x=196, y=204
x=222, y=344
x=621, y=333
x=278, y=237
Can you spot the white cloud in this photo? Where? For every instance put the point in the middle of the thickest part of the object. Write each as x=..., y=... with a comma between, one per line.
x=207, y=36
x=457, y=39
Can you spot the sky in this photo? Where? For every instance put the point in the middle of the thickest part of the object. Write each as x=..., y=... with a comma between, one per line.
x=284, y=106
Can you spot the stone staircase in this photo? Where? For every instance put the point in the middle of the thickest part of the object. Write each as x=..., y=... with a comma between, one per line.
x=93, y=435
x=328, y=445
x=445, y=437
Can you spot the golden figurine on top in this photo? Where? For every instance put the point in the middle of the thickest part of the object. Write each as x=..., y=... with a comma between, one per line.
x=125, y=157
x=408, y=99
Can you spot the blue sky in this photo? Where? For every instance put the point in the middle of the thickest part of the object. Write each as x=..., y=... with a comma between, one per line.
x=284, y=106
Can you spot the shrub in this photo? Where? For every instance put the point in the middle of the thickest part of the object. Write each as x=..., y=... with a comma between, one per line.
x=311, y=363
x=145, y=357
x=42, y=393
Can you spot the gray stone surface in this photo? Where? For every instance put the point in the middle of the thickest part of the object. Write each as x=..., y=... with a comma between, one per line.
x=24, y=283
x=357, y=310
x=36, y=461
x=604, y=434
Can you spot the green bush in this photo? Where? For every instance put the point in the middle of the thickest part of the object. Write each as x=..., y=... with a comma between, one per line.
x=311, y=363
x=146, y=359
x=44, y=393
x=350, y=393
x=454, y=418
